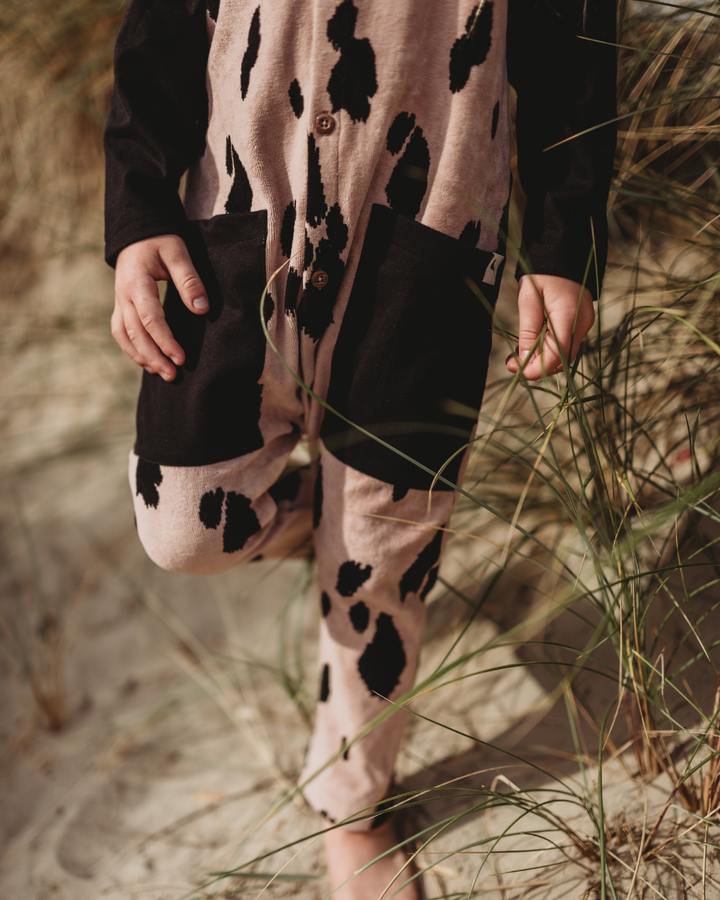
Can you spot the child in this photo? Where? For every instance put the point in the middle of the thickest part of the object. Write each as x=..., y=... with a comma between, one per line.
x=365, y=145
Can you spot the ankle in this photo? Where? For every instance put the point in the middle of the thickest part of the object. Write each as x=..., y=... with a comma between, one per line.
x=364, y=865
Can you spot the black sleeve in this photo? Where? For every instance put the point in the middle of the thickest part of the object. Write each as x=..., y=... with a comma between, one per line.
x=564, y=85
x=158, y=119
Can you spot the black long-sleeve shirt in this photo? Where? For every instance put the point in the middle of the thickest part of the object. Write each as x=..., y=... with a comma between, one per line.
x=416, y=104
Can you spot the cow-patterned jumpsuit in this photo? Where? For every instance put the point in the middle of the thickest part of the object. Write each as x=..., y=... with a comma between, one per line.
x=362, y=148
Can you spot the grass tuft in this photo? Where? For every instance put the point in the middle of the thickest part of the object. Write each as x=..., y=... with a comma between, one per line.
x=578, y=604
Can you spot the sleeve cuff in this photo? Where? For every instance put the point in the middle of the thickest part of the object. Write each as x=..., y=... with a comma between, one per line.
x=139, y=230
x=580, y=268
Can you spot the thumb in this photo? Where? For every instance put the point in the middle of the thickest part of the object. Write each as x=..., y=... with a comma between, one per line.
x=184, y=276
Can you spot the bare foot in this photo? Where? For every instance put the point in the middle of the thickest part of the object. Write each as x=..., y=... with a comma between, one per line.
x=348, y=851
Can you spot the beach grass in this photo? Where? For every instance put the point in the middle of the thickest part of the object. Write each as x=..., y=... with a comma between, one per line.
x=584, y=554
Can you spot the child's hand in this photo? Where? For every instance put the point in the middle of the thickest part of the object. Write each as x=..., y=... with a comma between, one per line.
x=570, y=316
x=138, y=320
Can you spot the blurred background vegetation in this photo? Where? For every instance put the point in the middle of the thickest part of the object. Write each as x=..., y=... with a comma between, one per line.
x=607, y=598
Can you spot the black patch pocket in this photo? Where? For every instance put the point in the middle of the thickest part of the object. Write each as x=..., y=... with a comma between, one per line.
x=411, y=358
x=210, y=412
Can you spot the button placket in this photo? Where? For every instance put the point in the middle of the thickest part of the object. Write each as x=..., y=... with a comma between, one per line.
x=324, y=123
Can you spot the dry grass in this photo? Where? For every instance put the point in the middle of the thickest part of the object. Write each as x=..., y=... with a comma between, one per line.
x=614, y=576
x=56, y=71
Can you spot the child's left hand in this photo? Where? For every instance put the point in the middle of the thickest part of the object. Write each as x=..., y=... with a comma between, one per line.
x=567, y=306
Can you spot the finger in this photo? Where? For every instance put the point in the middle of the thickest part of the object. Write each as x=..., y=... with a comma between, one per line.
x=143, y=299
x=567, y=326
x=555, y=348
x=117, y=329
x=145, y=345
x=185, y=278
x=531, y=321
x=546, y=362
x=559, y=343
x=585, y=321
x=568, y=323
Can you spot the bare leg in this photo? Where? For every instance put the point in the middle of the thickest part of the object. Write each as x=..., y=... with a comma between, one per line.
x=348, y=851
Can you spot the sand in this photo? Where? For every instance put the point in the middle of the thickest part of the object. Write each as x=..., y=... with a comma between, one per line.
x=186, y=702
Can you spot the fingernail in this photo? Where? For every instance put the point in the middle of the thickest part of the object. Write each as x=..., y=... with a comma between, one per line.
x=166, y=376
x=524, y=355
x=176, y=360
x=201, y=303
x=148, y=370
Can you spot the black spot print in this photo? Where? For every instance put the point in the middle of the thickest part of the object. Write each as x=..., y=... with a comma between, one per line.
x=337, y=230
x=426, y=559
x=148, y=478
x=268, y=308
x=327, y=817
x=430, y=583
x=399, y=131
x=472, y=48
x=316, y=305
x=213, y=8
x=471, y=233
x=316, y=205
x=351, y=576
x=408, y=182
x=240, y=197
x=228, y=155
x=287, y=229
x=286, y=488
x=496, y=116
x=296, y=98
x=211, y=505
x=345, y=748
x=325, y=684
x=399, y=492
x=309, y=251
x=241, y=523
x=352, y=80
x=383, y=660
x=251, y=54
x=315, y=310
x=325, y=604
x=292, y=289
x=359, y=616
x=318, y=497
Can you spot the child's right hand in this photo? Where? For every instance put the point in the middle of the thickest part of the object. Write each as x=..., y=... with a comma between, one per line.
x=138, y=320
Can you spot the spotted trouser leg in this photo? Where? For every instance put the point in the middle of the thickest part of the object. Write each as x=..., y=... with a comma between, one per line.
x=377, y=549
x=409, y=366
x=205, y=519
x=376, y=568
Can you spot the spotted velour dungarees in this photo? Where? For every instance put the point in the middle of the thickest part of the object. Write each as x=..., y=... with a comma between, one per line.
x=362, y=148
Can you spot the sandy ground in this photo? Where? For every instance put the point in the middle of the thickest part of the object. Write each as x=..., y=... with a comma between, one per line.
x=186, y=702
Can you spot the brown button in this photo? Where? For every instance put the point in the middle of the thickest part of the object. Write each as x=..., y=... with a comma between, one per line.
x=319, y=279
x=324, y=123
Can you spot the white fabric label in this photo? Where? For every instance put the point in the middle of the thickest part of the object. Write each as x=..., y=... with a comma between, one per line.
x=492, y=269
